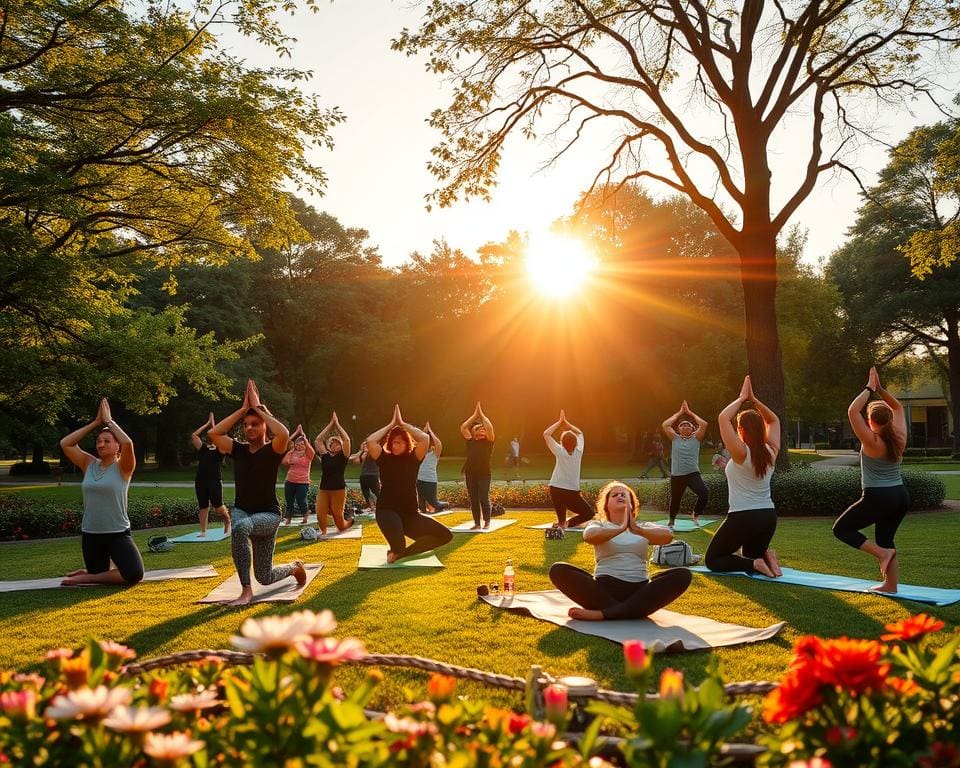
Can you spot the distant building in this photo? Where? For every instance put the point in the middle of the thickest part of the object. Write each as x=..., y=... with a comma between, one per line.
x=929, y=421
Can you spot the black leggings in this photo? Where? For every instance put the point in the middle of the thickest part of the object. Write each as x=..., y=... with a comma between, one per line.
x=884, y=507
x=100, y=548
x=426, y=532
x=693, y=481
x=750, y=530
x=209, y=491
x=370, y=487
x=478, y=488
x=618, y=599
x=427, y=494
x=564, y=499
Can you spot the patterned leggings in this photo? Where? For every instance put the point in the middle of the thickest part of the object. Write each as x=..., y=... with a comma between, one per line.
x=258, y=529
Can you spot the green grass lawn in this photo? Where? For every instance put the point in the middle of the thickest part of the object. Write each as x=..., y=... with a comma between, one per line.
x=435, y=613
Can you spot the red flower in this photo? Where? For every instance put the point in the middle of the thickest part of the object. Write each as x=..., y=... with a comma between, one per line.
x=942, y=755
x=518, y=723
x=852, y=665
x=912, y=629
x=904, y=687
x=158, y=689
x=798, y=693
x=837, y=735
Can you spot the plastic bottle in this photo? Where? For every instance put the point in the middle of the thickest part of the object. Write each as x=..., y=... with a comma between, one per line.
x=509, y=576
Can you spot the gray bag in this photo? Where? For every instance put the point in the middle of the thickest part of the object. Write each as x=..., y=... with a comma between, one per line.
x=676, y=553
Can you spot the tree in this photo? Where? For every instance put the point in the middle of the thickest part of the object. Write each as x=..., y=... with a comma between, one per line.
x=693, y=95
x=885, y=302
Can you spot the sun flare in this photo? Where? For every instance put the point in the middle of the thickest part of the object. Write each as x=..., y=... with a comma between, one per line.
x=558, y=266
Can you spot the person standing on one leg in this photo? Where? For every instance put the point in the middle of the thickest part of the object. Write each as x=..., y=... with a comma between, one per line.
x=685, y=460
x=256, y=510
x=885, y=500
x=478, y=432
x=565, y=480
x=334, y=453
x=620, y=587
x=427, y=478
x=297, y=484
x=752, y=520
x=397, y=515
x=208, y=482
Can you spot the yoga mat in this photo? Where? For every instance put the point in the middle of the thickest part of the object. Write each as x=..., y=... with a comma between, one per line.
x=932, y=595
x=213, y=534
x=162, y=574
x=495, y=525
x=662, y=631
x=355, y=531
x=544, y=526
x=283, y=591
x=441, y=513
x=685, y=526
x=375, y=556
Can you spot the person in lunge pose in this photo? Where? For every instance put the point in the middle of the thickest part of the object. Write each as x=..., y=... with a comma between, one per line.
x=297, y=485
x=105, y=527
x=565, y=480
x=685, y=460
x=334, y=450
x=885, y=500
x=750, y=524
x=427, y=478
x=477, y=430
x=397, y=514
x=620, y=587
x=256, y=510
x=369, y=477
x=208, y=482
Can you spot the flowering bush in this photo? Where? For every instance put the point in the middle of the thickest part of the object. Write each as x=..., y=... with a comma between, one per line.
x=891, y=702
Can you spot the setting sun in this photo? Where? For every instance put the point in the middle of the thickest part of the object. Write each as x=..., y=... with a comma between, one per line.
x=558, y=266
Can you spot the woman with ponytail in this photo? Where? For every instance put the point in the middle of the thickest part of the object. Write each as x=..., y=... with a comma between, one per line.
x=752, y=519
x=884, y=503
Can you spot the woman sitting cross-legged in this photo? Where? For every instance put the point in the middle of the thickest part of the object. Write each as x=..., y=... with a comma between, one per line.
x=620, y=587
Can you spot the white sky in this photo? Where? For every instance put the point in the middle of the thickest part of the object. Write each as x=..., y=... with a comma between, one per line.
x=377, y=170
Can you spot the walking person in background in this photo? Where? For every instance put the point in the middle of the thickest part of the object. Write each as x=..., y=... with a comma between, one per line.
x=427, y=478
x=477, y=430
x=297, y=484
x=654, y=452
x=685, y=460
x=515, y=456
x=105, y=526
x=565, y=481
x=885, y=500
x=334, y=453
x=208, y=482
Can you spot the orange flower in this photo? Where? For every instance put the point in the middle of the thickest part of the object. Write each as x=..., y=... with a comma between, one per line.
x=671, y=684
x=852, y=665
x=158, y=688
x=441, y=687
x=798, y=693
x=904, y=687
x=912, y=629
x=76, y=670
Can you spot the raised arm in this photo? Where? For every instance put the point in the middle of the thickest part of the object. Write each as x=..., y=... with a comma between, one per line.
x=421, y=438
x=321, y=439
x=549, y=431
x=71, y=448
x=667, y=426
x=195, y=437
x=473, y=418
x=728, y=433
x=487, y=424
x=701, y=423
x=374, y=439
x=344, y=437
x=128, y=458
x=770, y=419
x=220, y=433
x=899, y=416
x=437, y=445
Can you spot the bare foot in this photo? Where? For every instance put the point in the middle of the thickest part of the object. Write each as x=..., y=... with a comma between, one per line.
x=485, y=526
x=226, y=523
x=885, y=587
x=474, y=527
x=246, y=596
x=78, y=572
x=888, y=555
x=770, y=558
x=203, y=534
x=391, y=556
x=584, y=614
x=299, y=572
x=760, y=566
x=696, y=520
x=323, y=533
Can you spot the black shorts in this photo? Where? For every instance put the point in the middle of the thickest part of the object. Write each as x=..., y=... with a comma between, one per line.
x=100, y=548
x=209, y=492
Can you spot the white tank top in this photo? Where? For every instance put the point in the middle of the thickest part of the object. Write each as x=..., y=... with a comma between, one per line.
x=745, y=489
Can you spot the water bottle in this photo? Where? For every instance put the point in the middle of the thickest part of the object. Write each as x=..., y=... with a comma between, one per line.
x=509, y=575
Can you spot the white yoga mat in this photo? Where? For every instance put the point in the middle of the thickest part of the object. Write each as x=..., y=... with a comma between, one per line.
x=161, y=574
x=375, y=556
x=544, y=526
x=685, y=526
x=353, y=532
x=283, y=591
x=213, y=534
x=661, y=631
x=495, y=525
x=441, y=513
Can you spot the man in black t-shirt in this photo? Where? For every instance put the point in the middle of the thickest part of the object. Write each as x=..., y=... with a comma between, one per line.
x=256, y=509
x=208, y=482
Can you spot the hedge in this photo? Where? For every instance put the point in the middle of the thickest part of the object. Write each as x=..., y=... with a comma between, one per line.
x=927, y=453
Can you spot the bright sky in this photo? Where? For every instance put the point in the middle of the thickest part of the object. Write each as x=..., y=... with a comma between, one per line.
x=377, y=170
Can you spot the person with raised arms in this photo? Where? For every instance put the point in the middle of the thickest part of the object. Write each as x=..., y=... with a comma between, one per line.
x=885, y=500
x=334, y=453
x=208, y=482
x=296, y=486
x=621, y=586
x=685, y=443
x=752, y=519
x=398, y=448
x=256, y=510
x=477, y=430
x=105, y=526
x=428, y=479
x=565, y=481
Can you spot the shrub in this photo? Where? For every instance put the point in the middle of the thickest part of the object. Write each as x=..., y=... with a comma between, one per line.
x=22, y=468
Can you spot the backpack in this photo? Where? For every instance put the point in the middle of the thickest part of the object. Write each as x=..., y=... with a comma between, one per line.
x=159, y=544
x=497, y=510
x=309, y=534
x=674, y=554
x=553, y=532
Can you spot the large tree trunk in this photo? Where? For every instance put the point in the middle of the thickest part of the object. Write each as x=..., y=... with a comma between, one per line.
x=953, y=361
x=168, y=443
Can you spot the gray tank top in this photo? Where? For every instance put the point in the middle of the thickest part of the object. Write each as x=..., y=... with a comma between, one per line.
x=104, y=499
x=879, y=473
x=684, y=455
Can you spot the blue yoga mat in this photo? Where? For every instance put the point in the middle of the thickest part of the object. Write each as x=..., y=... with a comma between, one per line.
x=213, y=534
x=685, y=526
x=932, y=595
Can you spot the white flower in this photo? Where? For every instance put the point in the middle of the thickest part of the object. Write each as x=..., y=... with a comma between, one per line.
x=320, y=624
x=88, y=703
x=273, y=633
x=330, y=650
x=137, y=719
x=172, y=746
x=407, y=725
x=191, y=702
x=116, y=649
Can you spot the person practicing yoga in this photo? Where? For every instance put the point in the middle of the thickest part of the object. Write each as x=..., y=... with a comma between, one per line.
x=295, y=488
x=105, y=526
x=427, y=478
x=334, y=453
x=620, y=587
x=369, y=477
x=397, y=515
x=565, y=481
x=685, y=460
x=208, y=482
x=885, y=500
x=256, y=510
x=752, y=519
x=477, y=430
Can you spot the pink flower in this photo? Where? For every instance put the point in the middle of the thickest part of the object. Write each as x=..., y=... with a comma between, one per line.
x=317, y=624
x=813, y=762
x=555, y=703
x=59, y=653
x=543, y=730
x=117, y=650
x=408, y=725
x=329, y=650
x=635, y=655
x=32, y=679
x=194, y=702
x=19, y=703
x=170, y=747
x=88, y=703
x=137, y=719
